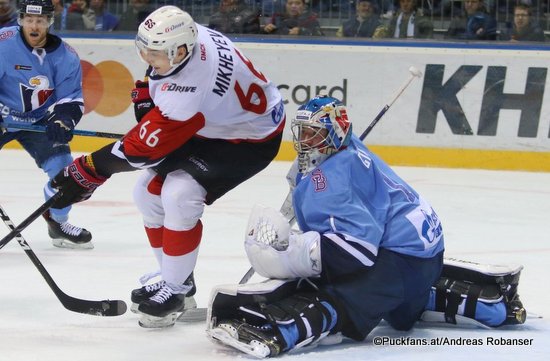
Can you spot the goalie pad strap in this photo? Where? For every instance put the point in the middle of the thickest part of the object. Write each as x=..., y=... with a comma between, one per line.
x=305, y=310
x=487, y=293
x=471, y=301
x=451, y=309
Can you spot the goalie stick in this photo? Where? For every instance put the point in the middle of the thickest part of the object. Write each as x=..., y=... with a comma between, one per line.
x=199, y=314
x=286, y=208
x=96, y=308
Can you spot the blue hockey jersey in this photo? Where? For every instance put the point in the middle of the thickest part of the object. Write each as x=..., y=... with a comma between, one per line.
x=358, y=203
x=33, y=80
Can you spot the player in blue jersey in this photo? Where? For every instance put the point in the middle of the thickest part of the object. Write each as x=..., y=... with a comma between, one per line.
x=371, y=246
x=38, y=71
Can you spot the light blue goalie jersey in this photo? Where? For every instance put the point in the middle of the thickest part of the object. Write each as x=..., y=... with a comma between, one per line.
x=356, y=201
x=32, y=80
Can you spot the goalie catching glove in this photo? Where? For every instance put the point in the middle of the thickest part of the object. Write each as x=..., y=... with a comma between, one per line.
x=76, y=182
x=276, y=252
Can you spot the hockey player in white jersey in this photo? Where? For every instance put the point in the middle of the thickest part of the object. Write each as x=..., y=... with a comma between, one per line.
x=208, y=120
x=371, y=245
x=38, y=71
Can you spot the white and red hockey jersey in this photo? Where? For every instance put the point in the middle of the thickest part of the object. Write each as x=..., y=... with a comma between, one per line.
x=217, y=94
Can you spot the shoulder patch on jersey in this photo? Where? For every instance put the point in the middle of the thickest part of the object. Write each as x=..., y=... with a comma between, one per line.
x=4, y=35
x=319, y=180
x=202, y=48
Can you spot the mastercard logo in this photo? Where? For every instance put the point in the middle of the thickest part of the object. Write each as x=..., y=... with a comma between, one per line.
x=106, y=87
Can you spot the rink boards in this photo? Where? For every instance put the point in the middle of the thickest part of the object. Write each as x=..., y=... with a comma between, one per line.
x=478, y=105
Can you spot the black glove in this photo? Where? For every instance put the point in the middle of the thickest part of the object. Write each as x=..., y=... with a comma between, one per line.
x=76, y=182
x=141, y=99
x=59, y=128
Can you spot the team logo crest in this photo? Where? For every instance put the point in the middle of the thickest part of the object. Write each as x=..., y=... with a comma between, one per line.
x=319, y=180
x=36, y=93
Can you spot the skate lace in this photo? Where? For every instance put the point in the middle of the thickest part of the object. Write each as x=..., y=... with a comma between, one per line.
x=146, y=277
x=154, y=286
x=163, y=295
x=70, y=229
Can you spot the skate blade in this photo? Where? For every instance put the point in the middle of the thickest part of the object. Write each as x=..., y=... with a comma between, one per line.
x=134, y=308
x=63, y=243
x=254, y=348
x=148, y=321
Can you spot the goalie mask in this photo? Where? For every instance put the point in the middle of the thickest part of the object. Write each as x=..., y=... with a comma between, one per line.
x=321, y=127
x=166, y=29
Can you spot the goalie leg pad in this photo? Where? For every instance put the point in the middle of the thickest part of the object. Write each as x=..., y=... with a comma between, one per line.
x=274, y=310
x=486, y=293
x=301, y=319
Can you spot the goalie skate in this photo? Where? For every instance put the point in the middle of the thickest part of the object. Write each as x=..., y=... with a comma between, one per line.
x=255, y=341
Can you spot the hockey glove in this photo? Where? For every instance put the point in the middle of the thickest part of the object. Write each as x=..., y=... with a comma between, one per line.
x=76, y=182
x=59, y=128
x=142, y=100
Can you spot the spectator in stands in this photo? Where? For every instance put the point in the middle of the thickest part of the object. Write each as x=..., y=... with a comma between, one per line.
x=235, y=17
x=525, y=27
x=80, y=16
x=296, y=20
x=8, y=13
x=386, y=9
x=363, y=24
x=270, y=7
x=408, y=22
x=474, y=24
x=60, y=14
x=136, y=12
x=65, y=19
x=104, y=20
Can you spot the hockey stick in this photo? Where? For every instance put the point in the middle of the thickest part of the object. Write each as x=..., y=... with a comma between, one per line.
x=415, y=73
x=286, y=208
x=17, y=230
x=199, y=314
x=96, y=308
x=84, y=133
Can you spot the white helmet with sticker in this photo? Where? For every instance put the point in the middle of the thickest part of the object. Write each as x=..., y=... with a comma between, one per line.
x=166, y=29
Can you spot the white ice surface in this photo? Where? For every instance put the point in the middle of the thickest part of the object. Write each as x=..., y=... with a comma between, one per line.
x=488, y=216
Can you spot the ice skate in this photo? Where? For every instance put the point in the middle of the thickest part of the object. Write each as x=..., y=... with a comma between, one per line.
x=256, y=341
x=162, y=309
x=66, y=235
x=139, y=295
